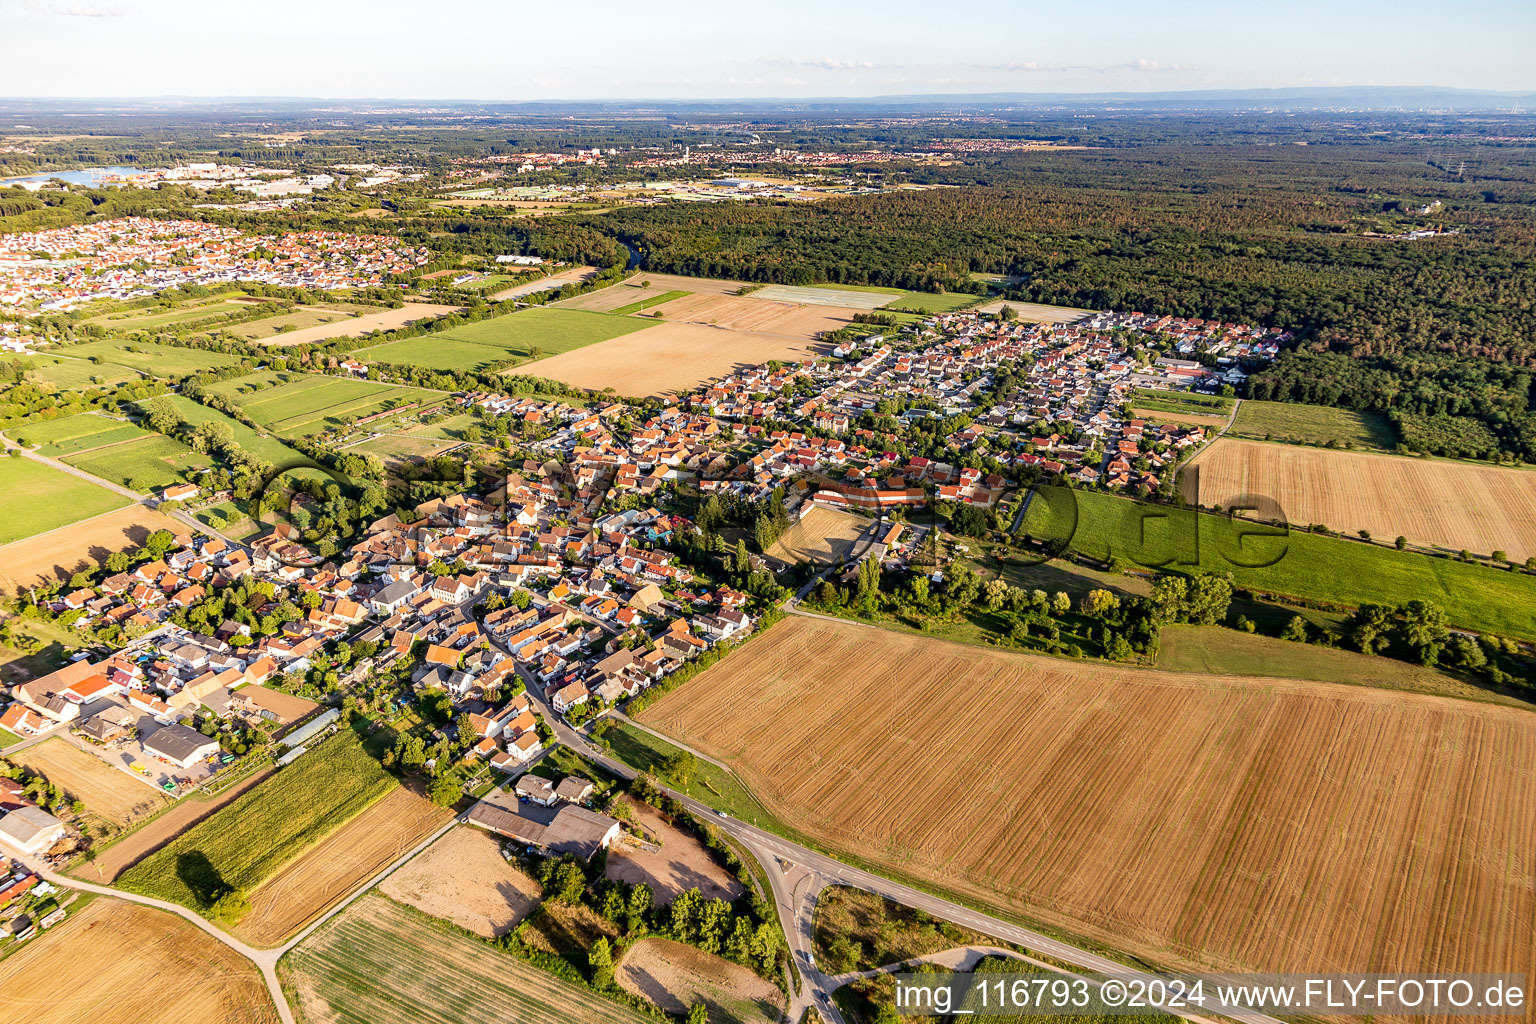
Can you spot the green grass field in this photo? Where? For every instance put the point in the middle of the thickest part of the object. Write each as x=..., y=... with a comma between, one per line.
x=1184, y=402
x=40, y=498
x=514, y=336
x=145, y=464
x=159, y=360
x=197, y=309
x=243, y=843
x=71, y=374
x=8, y=738
x=1217, y=650
x=932, y=302
x=268, y=327
x=74, y=433
x=1308, y=566
x=711, y=784
x=1314, y=424
x=269, y=449
x=306, y=404
x=647, y=303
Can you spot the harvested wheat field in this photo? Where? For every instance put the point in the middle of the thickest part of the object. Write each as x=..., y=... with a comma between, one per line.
x=668, y=358
x=58, y=554
x=674, y=977
x=681, y=864
x=118, y=963
x=357, y=326
x=749, y=313
x=331, y=869
x=1450, y=505
x=148, y=838
x=822, y=535
x=115, y=795
x=1200, y=821
x=463, y=878
x=383, y=963
x=1034, y=312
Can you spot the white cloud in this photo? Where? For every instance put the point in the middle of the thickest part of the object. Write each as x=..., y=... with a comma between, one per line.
x=829, y=64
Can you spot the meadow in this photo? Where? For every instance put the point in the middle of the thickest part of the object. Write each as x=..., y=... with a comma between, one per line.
x=71, y=374
x=1314, y=424
x=70, y=434
x=144, y=464
x=383, y=963
x=49, y=498
x=538, y=330
x=1113, y=803
x=298, y=405
x=1304, y=565
x=153, y=359
x=269, y=449
x=247, y=841
x=648, y=302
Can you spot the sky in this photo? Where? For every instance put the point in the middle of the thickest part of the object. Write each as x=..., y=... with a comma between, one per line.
x=685, y=49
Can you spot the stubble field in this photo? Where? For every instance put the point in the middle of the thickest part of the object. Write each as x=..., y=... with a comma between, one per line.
x=338, y=864
x=823, y=535
x=128, y=964
x=387, y=964
x=1445, y=504
x=117, y=796
x=1200, y=821
x=61, y=553
x=670, y=357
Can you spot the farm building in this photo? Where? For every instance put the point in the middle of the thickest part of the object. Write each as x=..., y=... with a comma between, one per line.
x=181, y=746
x=560, y=830
x=31, y=829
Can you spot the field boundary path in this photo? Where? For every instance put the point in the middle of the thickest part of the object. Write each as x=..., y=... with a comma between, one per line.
x=1237, y=403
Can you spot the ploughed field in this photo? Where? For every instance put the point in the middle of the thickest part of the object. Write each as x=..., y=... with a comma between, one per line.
x=1199, y=821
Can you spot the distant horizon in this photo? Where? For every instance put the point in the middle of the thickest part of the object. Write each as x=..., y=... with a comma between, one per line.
x=798, y=49
x=1298, y=92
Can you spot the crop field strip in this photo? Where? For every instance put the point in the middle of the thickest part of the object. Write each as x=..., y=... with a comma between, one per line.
x=1310, y=566
x=305, y=887
x=506, y=337
x=248, y=841
x=150, y=461
x=1451, y=505
x=648, y=302
x=381, y=963
x=1211, y=822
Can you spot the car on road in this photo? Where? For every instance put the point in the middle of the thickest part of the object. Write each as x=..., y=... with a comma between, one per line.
x=722, y=814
